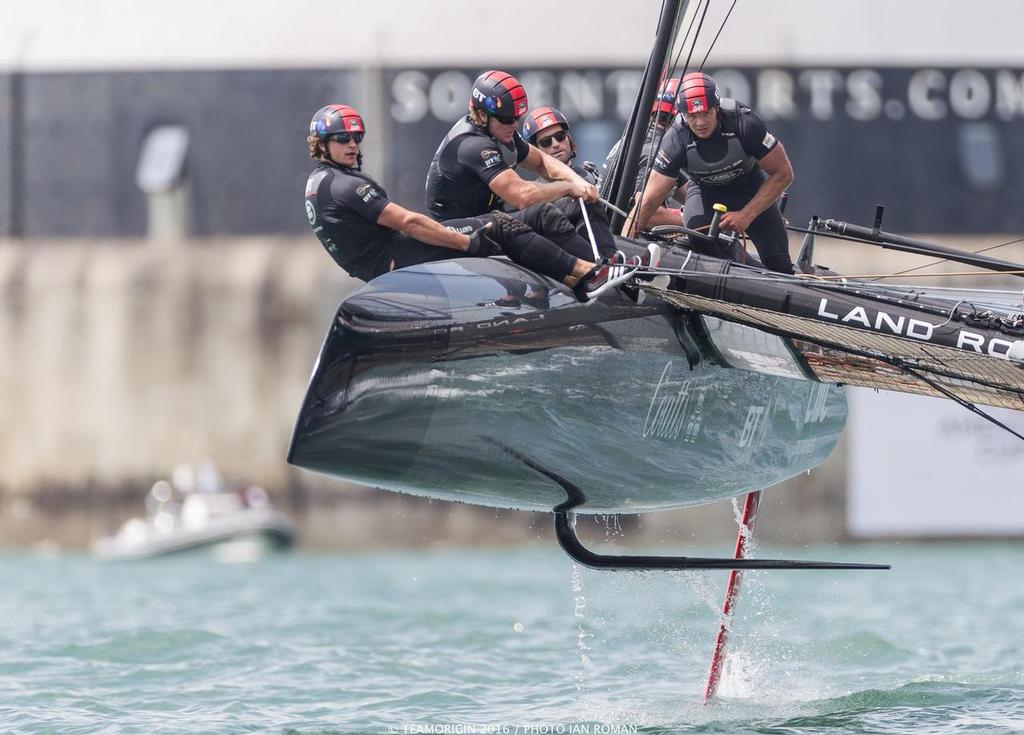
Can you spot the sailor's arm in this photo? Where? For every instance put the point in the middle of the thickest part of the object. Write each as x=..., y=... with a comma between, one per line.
x=665, y=216
x=520, y=193
x=780, y=175
x=422, y=228
x=554, y=170
x=648, y=202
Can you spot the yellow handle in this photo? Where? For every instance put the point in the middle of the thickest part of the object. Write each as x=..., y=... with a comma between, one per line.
x=718, y=207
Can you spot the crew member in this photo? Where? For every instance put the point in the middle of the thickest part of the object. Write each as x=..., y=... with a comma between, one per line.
x=729, y=156
x=548, y=129
x=368, y=235
x=473, y=170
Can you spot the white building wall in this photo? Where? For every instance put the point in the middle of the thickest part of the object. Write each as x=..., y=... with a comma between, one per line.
x=122, y=34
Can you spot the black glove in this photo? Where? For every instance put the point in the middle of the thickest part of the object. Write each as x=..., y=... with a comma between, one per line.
x=481, y=245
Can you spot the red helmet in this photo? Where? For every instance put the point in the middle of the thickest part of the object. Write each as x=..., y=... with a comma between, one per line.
x=499, y=94
x=665, y=102
x=335, y=119
x=698, y=93
x=542, y=117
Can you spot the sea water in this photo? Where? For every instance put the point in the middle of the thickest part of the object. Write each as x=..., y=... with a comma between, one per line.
x=511, y=641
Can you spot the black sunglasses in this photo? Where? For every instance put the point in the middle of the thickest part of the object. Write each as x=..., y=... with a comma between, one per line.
x=346, y=138
x=507, y=120
x=546, y=142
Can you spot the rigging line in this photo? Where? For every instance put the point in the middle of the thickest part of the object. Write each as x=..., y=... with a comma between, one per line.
x=877, y=277
x=667, y=73
x=954, y=313
x=838, y=282
x=693, y=44
x=986, y=292
x=943, y=260
x=715, y=40
x=682, y=44
x=954, y=397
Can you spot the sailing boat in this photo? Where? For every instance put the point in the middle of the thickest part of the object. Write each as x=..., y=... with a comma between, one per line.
x=728, y=382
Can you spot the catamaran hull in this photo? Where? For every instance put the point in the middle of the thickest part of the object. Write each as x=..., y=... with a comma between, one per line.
x=422, y=385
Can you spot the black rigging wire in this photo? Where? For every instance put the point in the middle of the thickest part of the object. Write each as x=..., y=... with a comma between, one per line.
x=682, y=44
x=693, y=45
x=670, y=72
x=958, y=399
x=713, y=42
x=946, y=260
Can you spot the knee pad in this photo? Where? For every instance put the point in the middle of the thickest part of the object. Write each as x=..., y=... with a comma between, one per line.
x=547, y=219
x=505, y=227
x=553, y=220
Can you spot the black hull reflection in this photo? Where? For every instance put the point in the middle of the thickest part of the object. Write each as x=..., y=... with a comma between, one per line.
x=426, y=371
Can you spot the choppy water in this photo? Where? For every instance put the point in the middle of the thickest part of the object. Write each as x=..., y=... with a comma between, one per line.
x=510, y=641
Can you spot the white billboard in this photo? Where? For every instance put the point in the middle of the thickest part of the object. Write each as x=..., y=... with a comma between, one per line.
x=928, y=467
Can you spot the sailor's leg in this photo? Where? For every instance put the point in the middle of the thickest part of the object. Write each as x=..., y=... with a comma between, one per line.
x=601, y=227
x=469, y=225
x=570, y=207
x=524, y=246
x=697, y=216
x=695, y=212
x=403, y=250
x=551, y=222
x=768, y=231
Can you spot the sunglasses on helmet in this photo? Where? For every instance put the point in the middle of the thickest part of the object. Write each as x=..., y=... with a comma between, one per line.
x=507, y=120
x=546, y=142
x=346, y=138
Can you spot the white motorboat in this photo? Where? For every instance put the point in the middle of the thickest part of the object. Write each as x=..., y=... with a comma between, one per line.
x=234, y=525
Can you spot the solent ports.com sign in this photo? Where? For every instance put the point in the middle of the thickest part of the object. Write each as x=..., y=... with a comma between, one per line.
x=939, y=145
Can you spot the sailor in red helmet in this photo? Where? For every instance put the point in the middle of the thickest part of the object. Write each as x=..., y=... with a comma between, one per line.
x=473, y=170
x=728, y=154
x=350, y=213
x=367, y=234
x=663, y=111
x=548, y=129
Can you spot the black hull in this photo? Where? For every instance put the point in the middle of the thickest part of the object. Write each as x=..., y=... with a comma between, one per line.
x=421, y=380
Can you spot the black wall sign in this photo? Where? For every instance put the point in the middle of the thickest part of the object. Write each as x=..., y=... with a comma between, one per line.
x=943, y=148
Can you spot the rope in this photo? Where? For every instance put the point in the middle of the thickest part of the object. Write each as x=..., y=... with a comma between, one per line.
x=671, y=70
x=935, y=385
x=720, y=29
x=590, y=231
x=943, y=260
x=878, y=277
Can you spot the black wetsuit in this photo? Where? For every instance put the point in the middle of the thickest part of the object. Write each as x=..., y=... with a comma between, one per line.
x=723, y=168
x=344, y=204
x=458, y=185
x=458, y=181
